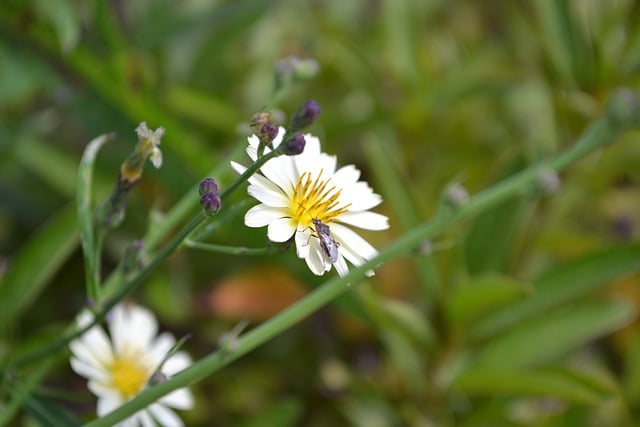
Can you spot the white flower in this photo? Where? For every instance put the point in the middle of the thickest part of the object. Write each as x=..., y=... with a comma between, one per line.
x=149, y=142
x=295, y=190
x=119, y=367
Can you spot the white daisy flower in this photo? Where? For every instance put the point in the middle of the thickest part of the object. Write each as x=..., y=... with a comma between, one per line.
x=119, y=367
x=296, y=190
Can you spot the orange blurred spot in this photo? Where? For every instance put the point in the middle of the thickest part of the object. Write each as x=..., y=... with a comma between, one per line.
x=255, y=295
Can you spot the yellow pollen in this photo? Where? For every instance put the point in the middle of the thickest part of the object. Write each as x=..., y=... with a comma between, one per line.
x=128, y=375
x=314, y=198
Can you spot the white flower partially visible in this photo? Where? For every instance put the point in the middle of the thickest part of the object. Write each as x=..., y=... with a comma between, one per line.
x=118, y=367
x=295, y=190
x=149, y=143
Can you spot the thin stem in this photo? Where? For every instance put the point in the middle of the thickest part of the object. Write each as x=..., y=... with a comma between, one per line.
x=250, y=171
x=597, y=135
x=73, y=332
x=233, y=250
x=86, y=218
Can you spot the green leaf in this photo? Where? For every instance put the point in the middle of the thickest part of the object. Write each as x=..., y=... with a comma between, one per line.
x=552, y=335
x=283, y=412
x=570, y=386
x=86, y=214
x=494, y=232
x=481, y=296
x=49, y=414
x=563, y=284
x=62, y=15
x=36, y=263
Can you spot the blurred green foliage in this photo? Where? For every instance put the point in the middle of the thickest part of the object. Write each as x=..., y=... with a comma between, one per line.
x=524, y=316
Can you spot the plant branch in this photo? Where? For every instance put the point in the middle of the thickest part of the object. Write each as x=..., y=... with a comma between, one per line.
x=597, y=135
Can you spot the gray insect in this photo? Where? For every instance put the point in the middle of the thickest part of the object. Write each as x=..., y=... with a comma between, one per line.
x=327, y=243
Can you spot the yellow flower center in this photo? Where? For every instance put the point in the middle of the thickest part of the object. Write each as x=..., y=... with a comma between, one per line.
x=314, y=198
x=128, y=374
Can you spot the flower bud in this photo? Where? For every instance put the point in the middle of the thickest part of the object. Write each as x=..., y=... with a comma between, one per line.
x=624, y=108
x=294, y=145
x=210, y=202
x=305, y=116
x=208, y=185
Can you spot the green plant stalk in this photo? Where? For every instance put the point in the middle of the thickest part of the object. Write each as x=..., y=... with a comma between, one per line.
x=231, y=250
x=406, y=211
x=597, y=135
x=104, y=307
x=86, y=218
x=23, y=391
x=180, y=211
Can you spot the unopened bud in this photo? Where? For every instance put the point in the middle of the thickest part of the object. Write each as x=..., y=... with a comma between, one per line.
x=455, y=195
x=208, y=185
x=624, y=108
x=305, y=116
x=210, y=202
x=292, y=69
x=294, y=145
x=548, y=181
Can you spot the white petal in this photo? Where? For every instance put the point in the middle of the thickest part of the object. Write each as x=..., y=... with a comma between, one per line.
x=93, y=341
x=132, y=421
x=132, y=325
x=160, y=347
x=281, y=230
x=165, y=416
x=281, y=172
x=308, y=159
x=366, y=220
x=253, y=141
x=315, y=259
x=262, y=215
x=178, y=399
x=351, y=241
x=360, y=196
x=90, y=356
x=328, y=165
x=267, y=196
x=107, y=403
x=303, y=238
x=145, y=419
x=101, y=389
x=341, y=266
x=347, y=175
x=238, y=167
x=88, y=371
x=179, y=361
x=156, y=157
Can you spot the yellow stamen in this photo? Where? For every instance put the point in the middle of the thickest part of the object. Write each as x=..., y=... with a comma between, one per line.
x=128, y=374
x=313, y=198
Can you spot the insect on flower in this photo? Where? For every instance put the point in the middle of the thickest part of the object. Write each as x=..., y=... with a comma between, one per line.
x=327, y=243
x=308, y=198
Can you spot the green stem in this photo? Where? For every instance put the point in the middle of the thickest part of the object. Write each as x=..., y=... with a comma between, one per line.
x=597, y=135
x=250, y=171
x=101, y=310
x=73, y=332
x=24, y=390
x=86, y=218
x=232, y=250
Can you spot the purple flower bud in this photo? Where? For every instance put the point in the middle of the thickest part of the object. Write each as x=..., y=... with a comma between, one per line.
x=305, y=116
x=294, y=145
x=208, y=185
x=210, y=202
x=268, y=132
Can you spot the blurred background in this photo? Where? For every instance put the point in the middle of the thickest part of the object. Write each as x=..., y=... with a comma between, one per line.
x=524, y=316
